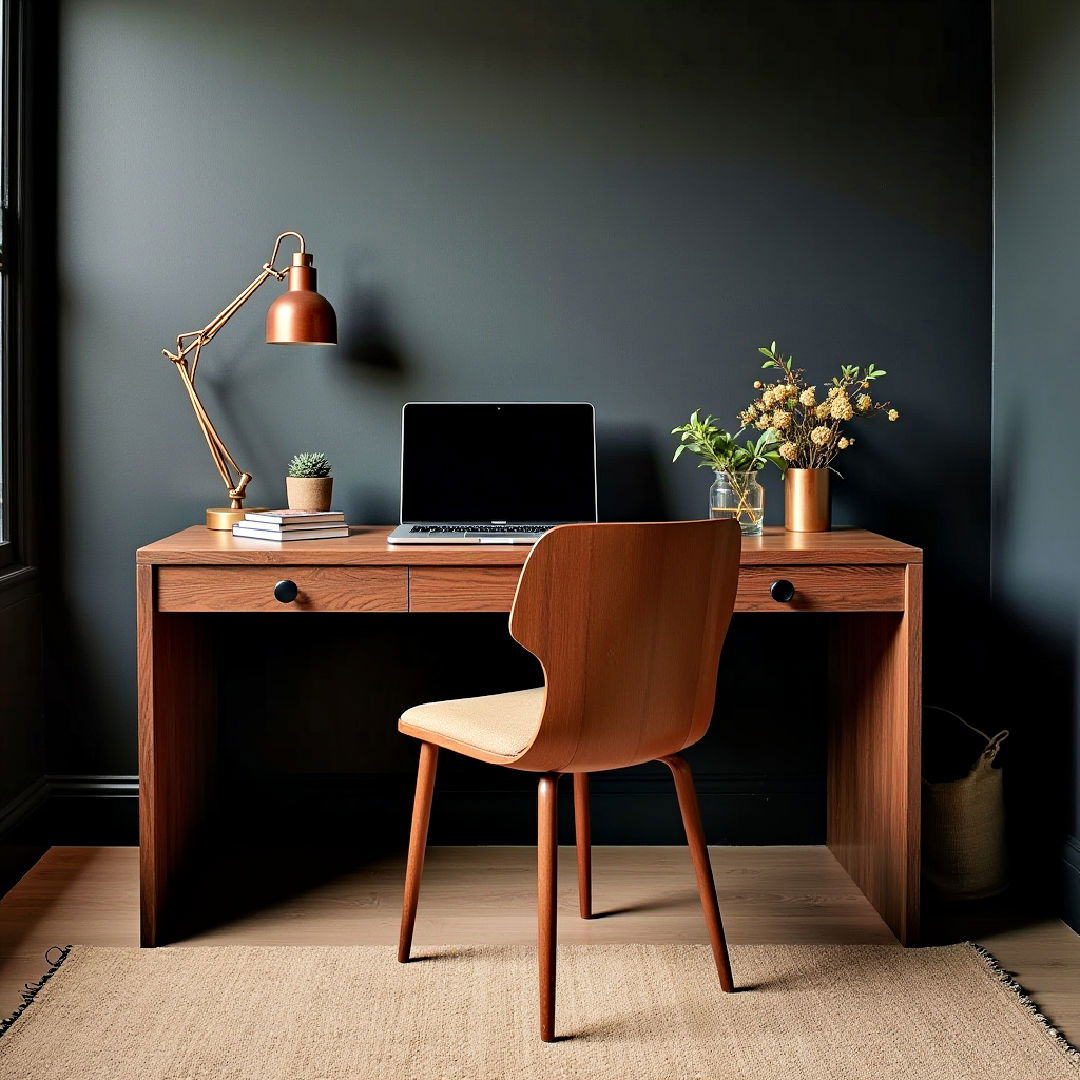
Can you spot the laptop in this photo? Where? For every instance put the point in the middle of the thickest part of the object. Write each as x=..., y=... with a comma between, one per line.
x=484, y=472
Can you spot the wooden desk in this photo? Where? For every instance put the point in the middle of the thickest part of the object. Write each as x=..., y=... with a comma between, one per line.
x=875, y=710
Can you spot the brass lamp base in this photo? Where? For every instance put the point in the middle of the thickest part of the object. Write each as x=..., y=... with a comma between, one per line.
x=224, y=517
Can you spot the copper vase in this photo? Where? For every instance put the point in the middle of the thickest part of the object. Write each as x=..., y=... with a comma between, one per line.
x=806, y=500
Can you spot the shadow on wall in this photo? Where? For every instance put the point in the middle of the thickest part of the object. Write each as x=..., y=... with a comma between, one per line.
x=225, y=376
x=628, y=478
x=1036, y=632
x=1037, y=705
x=889, y=491
x=367, y=343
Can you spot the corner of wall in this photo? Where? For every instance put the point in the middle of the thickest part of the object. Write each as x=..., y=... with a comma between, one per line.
x=1070, y=912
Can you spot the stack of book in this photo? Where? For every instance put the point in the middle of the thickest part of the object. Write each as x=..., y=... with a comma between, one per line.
x=292, y=525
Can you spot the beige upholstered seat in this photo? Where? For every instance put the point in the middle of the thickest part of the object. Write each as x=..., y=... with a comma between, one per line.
x=502, y=724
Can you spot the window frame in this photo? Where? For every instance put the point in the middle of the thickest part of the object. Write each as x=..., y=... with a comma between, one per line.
x=15, y=535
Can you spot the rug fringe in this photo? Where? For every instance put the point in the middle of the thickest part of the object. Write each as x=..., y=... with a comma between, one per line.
x=32, y=990
x=1007, y=980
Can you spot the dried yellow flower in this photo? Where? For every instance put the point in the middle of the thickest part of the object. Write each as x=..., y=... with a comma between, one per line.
x=841, y=408
x=751, y=411
x=781, y=419
x=894, y=414
x=820, y=435
x=789, y=451
x=864, y=401
x=757, y=384
x=768, y=397
x=844, y=444
x=809, y=397
x=822, y=411
x=762, y=423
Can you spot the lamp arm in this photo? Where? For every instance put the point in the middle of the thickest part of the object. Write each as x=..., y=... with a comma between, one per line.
x=190, y=345
x=223, y=459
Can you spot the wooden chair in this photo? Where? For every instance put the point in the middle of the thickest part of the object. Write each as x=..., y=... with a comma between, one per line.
x=627, y=621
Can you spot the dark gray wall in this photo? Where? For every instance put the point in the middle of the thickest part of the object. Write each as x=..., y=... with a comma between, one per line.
x=1036, y=390
x=614, y=201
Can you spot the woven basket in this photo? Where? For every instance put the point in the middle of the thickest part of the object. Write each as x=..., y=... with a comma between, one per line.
x=964, y=828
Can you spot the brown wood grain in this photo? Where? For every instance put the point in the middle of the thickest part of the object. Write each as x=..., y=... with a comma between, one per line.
x=823, y=588
x=418, y=833
x=366, y=545
x=627, y=621
x=874, y=757
x=251, y=588
x=699, y=855
x=462, y=588
x=817, y=588
x=547, y=896
x=874, y=739
x=583, y=843
x=176, y=738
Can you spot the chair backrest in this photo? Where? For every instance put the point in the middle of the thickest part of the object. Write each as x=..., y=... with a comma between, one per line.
x=627, y=621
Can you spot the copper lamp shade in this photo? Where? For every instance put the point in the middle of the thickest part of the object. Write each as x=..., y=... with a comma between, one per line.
x=300, y=316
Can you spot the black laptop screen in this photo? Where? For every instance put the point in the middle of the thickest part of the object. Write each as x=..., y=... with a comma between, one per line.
x=480, y=462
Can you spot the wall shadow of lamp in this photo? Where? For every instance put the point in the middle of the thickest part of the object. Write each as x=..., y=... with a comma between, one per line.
x=300, y=316
x=369, y=344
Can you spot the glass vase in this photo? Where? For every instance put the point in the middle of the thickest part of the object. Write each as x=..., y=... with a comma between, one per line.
x=738, y=495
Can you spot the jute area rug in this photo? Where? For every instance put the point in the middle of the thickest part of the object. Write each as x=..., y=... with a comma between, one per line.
x=626, y=1012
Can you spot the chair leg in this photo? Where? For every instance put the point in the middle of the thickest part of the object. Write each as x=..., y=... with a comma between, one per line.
x=699, y=852
x=547, y=876
x=421, y=815
x=583, y=836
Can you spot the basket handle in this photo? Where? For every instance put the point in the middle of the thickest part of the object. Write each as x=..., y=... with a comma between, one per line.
x=993, y=742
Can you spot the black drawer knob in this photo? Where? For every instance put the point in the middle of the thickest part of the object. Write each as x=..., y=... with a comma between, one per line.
x=285, y=591
x=782, y=591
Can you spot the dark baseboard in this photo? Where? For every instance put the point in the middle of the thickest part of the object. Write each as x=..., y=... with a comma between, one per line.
x=1071, y=883
x=75, y=810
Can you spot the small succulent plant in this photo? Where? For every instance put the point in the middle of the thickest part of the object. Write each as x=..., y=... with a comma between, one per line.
x=315, y=464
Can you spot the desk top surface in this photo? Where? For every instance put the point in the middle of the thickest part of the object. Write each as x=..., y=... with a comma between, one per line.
x=366, y=546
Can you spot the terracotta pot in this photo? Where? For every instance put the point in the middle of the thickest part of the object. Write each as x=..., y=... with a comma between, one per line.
x=806, y=500
x=309, y=492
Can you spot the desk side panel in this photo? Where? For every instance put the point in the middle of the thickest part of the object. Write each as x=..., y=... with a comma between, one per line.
x=875, y=739
x=176, y=736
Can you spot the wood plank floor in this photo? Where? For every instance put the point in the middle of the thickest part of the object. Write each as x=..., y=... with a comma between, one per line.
x=487, y=894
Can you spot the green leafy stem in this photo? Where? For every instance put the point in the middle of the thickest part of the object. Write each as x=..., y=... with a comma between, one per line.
x=721, y=451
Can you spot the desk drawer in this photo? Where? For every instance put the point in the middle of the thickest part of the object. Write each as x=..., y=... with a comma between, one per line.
x=462, y=588
x=251, y=588
x=822, y=588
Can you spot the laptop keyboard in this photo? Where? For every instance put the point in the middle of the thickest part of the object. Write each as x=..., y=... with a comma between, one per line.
x=487, y=530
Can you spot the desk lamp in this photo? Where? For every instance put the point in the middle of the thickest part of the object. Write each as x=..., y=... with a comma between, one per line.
x=299, y=316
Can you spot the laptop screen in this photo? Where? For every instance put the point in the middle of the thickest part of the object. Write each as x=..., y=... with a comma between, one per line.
x=485, y=462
